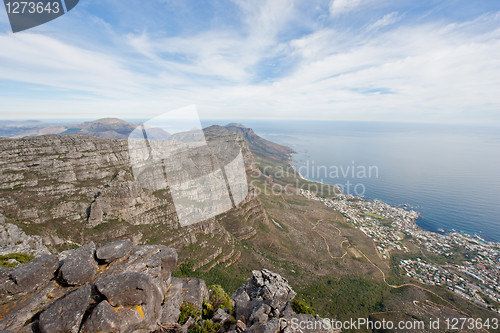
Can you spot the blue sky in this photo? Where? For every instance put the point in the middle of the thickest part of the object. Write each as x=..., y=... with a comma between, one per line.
x=370, y=60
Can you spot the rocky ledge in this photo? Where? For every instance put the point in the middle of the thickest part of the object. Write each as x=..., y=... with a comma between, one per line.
x=120, y=287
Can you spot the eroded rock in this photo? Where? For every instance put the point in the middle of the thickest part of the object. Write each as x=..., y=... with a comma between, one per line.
x=114, y=250
x=78, y=266
x=34, y=274
x=102, y=319
x=65, y=314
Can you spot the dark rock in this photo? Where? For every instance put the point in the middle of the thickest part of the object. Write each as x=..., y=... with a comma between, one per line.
x=157, y=261
x=194, y=291
x=260, y=314
x=102, y=319
x=78, y=266
x=65, y=314
x=35, y=273
x=271, y=326
x=130, y=288
x=221, y=316
x=180, y=290
x=30, y=328
x=22, y=307
x=263, y=287
x=288, y=311
x=173, y=301
x=114, y=250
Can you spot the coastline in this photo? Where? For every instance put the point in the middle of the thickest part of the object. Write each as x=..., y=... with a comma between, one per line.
x=445, y=233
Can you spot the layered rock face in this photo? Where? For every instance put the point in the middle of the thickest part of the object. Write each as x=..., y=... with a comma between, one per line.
x=70, y=189
x=124, y=288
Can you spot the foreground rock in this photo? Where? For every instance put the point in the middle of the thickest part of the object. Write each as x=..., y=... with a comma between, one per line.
x=125, y=288
x=65, y=314
x=27, y=277
x=114, y=250
x=121, y=290
x=78, y=266
x=264, y=288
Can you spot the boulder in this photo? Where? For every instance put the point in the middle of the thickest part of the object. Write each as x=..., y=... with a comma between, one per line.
x=157, y=261
x=65, y=314
x=34, y=274
x=264, y=287
x=194, y=291
x=180, y=290
x=260, y=314
x=78, y=266
x=114, y=250
x=15, y=240
x=272, y=326
x=21, y=307
x=130, y=288
x=102, y=319
x=221, y=316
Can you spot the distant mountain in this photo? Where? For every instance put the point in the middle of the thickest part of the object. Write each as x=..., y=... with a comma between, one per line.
x=108, y=128
x=24, y=128
x=260, y=146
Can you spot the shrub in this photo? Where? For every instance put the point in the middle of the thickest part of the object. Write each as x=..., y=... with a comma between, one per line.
x=188, y=310
x=208, y=310
x=206, y=326
x=20, y=257
x=219, y=298
x=300, y=306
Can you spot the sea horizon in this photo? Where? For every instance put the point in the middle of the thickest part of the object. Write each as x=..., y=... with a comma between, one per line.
x=449, y=178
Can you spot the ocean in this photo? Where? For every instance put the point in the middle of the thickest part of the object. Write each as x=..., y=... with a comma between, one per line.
x=449, y=174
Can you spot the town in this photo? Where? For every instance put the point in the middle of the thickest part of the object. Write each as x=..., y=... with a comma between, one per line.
x=474, y=275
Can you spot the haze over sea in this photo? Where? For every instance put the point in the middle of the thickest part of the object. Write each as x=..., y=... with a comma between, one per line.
x=449, y=174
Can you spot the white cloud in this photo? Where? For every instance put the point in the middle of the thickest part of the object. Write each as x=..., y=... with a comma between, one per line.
x=424, y=72
x=386, y=20
x=339, y=7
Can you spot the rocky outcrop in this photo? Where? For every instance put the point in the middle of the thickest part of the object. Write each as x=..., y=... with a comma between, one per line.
x=114, y=250
x=132, y=291
x=14, y=240
x=264, y=294
x=27, y=277
x=78, y=267
x=77, y=291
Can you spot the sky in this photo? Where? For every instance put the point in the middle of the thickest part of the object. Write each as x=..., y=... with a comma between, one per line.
x=369, y=60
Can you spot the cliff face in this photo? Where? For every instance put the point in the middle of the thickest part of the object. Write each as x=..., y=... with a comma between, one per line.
x=69, y=189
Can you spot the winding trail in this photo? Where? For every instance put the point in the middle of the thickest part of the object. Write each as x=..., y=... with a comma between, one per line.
x=431, y=304
x=328, y=246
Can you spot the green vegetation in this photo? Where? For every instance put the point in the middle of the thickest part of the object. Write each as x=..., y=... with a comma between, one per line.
x=219, y=298
x=375, y=216
x=300, y=306
x=345, y=298
x=230, y=278
x=20, y=257
x=206, y=326
x=188, y=310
